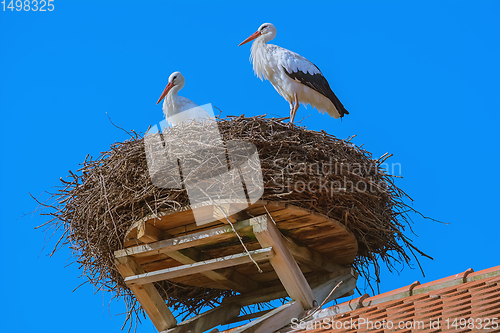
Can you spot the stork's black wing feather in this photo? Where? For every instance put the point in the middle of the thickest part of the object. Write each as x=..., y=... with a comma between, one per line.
x=320, y=84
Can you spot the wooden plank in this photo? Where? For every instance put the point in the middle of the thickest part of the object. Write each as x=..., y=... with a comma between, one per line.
x=147, y=233
x=283, y=262
x=231, y=247
x=161, y=263
x=161, y=219
x=247, y=317
x=202, y=266
x=290, y=213
x=223, y=209
x=189, y=256
x=197, y=280
x=273, y=320
x=266, y=295
x=150, y=299
x=190, y=228
x=260, y=210
x=313, y=259
x=183, y=242
x=228, y=277
x=237, y=281
x=299, y=222
x=183, y=216
x=318, y=231
x=349, y=283
x=208, y=319
x=256, y=211
x=267, y=277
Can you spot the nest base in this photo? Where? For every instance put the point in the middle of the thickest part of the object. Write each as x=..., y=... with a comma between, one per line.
x=266, y=251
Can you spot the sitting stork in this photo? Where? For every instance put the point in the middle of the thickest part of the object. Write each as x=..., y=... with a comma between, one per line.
x=294, y=77
x=178, y=109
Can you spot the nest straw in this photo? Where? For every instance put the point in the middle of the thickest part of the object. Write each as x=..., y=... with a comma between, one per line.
x=96, y=205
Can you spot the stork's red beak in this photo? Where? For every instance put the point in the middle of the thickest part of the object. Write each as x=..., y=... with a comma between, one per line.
x=252, y=37
x=165, y=92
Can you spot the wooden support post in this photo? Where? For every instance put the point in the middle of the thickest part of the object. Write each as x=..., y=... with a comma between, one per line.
x=283, y=262
x=274, y=319
x=247, y=317
x=208, y=319
x=150, y=299
x=348, y=284
x=199, y=267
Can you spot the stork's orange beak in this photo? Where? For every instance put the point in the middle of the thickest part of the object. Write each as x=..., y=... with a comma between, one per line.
x=165, y=92
x=252, y=37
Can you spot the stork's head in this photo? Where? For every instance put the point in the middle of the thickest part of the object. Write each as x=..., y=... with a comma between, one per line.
x=266, y=32
x=175, y=81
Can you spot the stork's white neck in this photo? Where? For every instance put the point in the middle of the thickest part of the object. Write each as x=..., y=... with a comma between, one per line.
x=173, y=94
x=172, y=103
x=260, y=58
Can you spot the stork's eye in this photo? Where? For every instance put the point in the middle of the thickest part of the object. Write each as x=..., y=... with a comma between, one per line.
x=263, y=27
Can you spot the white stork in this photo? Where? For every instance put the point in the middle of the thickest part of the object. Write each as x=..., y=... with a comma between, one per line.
x=294, y=77
x=176, y=108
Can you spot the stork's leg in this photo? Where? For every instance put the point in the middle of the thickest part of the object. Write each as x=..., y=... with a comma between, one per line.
x=293, y=110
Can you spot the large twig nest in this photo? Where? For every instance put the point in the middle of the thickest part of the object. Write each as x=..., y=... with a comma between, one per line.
x=97, y=205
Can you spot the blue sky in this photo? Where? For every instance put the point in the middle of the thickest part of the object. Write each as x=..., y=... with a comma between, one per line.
x=421, y=80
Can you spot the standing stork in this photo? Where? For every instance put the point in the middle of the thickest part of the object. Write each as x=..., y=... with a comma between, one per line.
x=178, y=109
x=294, y=77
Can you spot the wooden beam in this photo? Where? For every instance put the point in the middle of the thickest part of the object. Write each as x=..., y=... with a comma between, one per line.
x=283, y=262
x=221, y=210
x=147, y=233
x=277, y=318
x=199, y=267
x=174, y=244
x=348, y=284
x=208, y=319
x=150, y=299
x=247, y=317
x=259, y=296
x=273, y=320
x=234, y=211
x=229, y=278
x=313, y=259
x=271, y=293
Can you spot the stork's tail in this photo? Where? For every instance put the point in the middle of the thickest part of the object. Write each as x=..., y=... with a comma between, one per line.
x=338, y=105
x=337, y=111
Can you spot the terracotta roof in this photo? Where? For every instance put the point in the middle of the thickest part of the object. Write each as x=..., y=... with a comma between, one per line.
x=449, y=304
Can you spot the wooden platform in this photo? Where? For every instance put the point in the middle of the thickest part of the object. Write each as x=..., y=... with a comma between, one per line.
x=301, y=254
